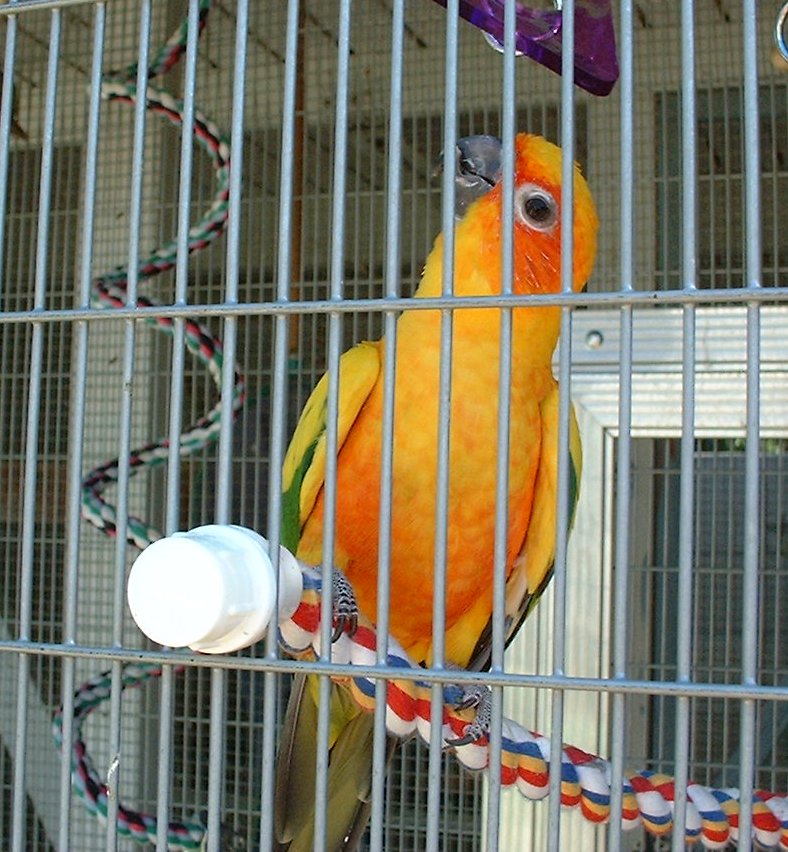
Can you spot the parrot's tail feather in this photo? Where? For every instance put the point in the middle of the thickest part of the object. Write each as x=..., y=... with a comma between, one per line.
x=349, y=770
x=286, y=794
x=359, y=826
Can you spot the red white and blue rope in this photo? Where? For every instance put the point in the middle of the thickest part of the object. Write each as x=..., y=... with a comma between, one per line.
x=712, y=815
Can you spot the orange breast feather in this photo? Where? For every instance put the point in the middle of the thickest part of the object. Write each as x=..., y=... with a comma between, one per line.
x=471, y=491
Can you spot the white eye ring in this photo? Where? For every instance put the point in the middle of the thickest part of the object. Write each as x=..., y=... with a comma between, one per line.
x=535, y=207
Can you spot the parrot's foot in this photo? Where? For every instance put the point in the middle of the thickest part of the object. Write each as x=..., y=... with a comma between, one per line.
x=344, y=604
x=479, y=698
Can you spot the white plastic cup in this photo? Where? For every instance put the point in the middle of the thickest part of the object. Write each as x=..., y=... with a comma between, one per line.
x=211, y=589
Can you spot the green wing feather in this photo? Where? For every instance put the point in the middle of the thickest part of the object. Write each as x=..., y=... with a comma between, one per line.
x=304, y=468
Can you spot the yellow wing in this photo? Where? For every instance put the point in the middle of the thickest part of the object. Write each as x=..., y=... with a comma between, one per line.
x=533, y=568
x=303, y=474
x=304, y=468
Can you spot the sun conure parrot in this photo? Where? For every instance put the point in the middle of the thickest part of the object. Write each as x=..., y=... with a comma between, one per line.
x=473, y=435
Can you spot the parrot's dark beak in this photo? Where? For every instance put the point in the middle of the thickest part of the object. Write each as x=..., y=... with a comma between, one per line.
x=477, y=168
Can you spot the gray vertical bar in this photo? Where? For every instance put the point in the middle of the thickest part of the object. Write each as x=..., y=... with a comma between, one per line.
x=164, y=773
x=182, y=266
x=750, y=607
x=564, y=378
x=224, y=465
x=687, y=464
x=334, y=347
x=26, y=579
x=229, y=337
x=31, y=456
x=444, y=408
x=623, y=447
x=6, y=114
x=279, y=401
x=500, y=552
x=392, y=289
x=213, y=838
x=80, y=345
x=125, y=436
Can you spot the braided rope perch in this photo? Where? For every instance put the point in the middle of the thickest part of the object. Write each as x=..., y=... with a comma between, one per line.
x=712, y=818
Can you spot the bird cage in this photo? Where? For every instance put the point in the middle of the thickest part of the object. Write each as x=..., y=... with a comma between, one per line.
x=177, y=271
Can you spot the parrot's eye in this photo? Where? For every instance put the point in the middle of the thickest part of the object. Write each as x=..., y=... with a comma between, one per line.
x=535, y=207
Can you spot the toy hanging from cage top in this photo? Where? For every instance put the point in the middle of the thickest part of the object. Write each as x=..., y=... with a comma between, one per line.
x=538, y=35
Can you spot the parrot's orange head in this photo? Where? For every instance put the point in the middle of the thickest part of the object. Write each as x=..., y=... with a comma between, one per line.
x=537, y=214
x=537, y=223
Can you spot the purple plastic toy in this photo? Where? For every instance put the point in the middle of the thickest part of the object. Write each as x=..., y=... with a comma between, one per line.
x=539, y=36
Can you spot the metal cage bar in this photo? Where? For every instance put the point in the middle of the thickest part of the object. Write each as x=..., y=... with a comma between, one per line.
x=444, y=438
x=686, y=519
x=624, y=448
x=750, y=650
x=392, y=290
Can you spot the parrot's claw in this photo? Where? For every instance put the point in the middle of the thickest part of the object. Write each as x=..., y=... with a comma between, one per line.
x=478, y=697
x=344, y=604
